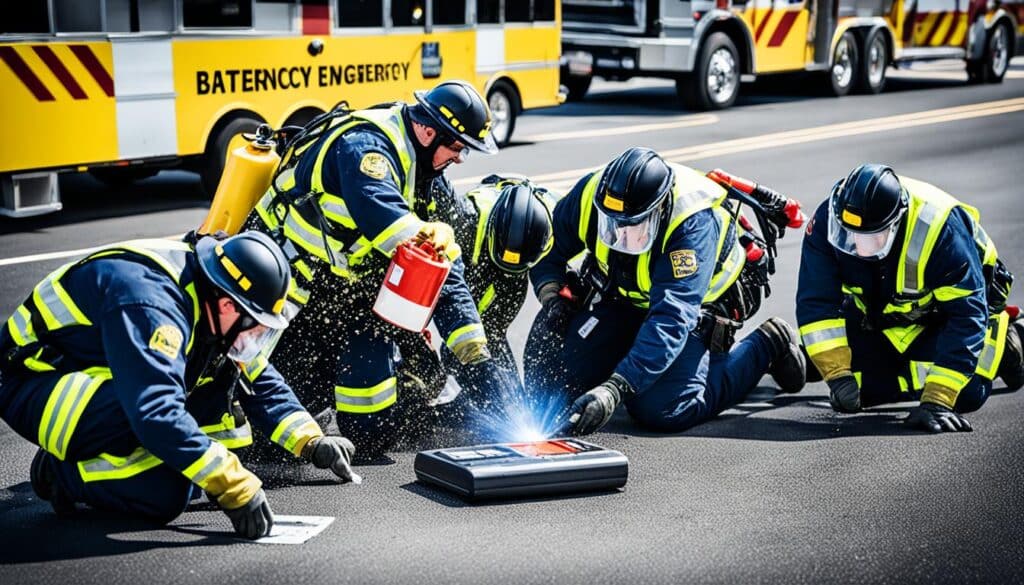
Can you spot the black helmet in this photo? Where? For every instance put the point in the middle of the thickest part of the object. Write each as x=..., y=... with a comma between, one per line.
x=519, y=231
x=864, y=212
x=870, y=199
x=456, y=108
x=633, y=184
x=252, y=270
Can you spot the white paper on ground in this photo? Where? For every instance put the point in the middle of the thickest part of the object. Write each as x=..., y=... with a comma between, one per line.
x=295, y=529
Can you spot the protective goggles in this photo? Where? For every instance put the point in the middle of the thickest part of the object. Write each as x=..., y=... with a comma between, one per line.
x=629, y=235
x=453, y=144
x=864, y=245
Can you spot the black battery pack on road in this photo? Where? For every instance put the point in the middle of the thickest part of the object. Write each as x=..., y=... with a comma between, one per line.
x=523, y=469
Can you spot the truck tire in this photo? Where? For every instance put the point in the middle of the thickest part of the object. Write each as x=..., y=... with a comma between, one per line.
x=874, y=63
x=992, y=67
x=715, y=81
x=503, y=100
x=577, y=86
x=218, y=147
x=843, y=72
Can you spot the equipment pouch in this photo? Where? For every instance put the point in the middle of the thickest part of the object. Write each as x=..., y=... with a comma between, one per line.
x=997, y=292
x=717, y=332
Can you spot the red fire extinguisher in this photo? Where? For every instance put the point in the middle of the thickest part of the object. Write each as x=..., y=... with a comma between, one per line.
x=412, y=286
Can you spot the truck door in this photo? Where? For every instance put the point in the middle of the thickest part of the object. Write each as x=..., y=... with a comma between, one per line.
x=934, y=23
x=779, y=28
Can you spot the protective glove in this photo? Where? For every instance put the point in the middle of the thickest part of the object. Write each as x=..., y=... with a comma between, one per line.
x=594, y=409
x=558, y=310
x=936, y=418
x=844, y=394
x=254, y=519
x=438, y=234
x=472, y=352
x=334, y=453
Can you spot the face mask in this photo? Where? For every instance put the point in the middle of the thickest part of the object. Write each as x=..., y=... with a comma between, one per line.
x=249, y=343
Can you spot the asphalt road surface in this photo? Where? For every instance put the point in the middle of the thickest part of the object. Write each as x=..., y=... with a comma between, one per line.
x=779, y=489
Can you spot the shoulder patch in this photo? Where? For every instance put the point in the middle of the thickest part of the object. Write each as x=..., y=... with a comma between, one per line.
x=167, y=340
x=373, y=164
x=684, y=263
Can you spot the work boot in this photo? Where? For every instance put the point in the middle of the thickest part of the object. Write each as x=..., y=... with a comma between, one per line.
x=1011, y=367
x=45, y=484
x=788, y=366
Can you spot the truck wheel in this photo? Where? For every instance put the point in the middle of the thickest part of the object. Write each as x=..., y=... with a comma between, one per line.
x=842, y=74
x=715, y=81
x=577, y=86
x=504, y=103
x=874, y=63
x=217, y=148
x=996, y=60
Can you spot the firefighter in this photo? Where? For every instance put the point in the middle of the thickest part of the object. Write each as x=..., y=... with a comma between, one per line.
x=97, y=360
x=646, y=326
x=886, y=317
x=352, y=187
x=504, y=225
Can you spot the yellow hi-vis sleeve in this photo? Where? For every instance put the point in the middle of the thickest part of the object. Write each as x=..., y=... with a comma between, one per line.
x=220, y=473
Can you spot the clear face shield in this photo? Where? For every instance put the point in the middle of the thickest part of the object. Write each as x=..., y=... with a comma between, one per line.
x=634, y=235
x=864, y=245
x=252, y=338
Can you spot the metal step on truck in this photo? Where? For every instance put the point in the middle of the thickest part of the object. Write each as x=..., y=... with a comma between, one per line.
x=707, y=46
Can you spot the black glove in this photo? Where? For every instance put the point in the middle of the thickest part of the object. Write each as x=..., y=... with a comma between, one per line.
x=253, y=520
x=334, y=453
x=556, y=310
x=936, y=418
x=594, y=409
x=844, y=394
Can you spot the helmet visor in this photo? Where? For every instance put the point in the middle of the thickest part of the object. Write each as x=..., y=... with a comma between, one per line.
x=630, y=235
x=865, y=245
x=250, y=342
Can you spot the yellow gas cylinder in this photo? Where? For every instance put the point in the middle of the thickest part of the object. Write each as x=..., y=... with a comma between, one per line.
x=247, y=175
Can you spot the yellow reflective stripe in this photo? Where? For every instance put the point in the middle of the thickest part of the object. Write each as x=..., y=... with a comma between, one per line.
x=294, y=430
x=209, y=464
x=366, y=400
x=951, y=293
x=400, y=230
x=643, y=274
x=902, y=337
x=483, y=199
x=336, y=210
x=918, y=373
x=903, y=384
x=857, y=376
x=266, y=212
x=390, y=122
x=106, y=466
x=65, y=406
x=36, y=365
x=19, y=325
x=190, y=290
x=54, y=305
x=929, y=208
x=908, y=306
x=587, y=202
x=226, y=433
x=824, y=335
x=255, y=367
x=995, y=344
x=303, y=269
x=946, y=377
x=730, y=272
x=486, y=300
x=464, y=334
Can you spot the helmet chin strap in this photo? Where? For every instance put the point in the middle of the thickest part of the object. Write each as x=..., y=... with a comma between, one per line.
x=224, y=339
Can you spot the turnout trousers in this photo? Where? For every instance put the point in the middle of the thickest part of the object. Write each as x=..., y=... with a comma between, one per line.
x=696, y=387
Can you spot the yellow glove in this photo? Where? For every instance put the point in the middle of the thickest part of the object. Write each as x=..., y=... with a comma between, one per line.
x=833, y=363
x=473, y=351
x=938, y=394
x=440, y=236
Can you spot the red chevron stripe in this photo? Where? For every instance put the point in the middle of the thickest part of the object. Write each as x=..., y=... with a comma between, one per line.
x=95, y=68
x=20, y=68
x=63, y=75
x=760, y=27
x=785, y=25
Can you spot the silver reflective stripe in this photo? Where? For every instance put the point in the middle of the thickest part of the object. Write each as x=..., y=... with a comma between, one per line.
x=203, y=474
x=288, y=430
x=71, y=383
x=101, y=465
x=988, y=353
x=474, y=332
x=690, y=202
x=724, y=278
x=312, y=241
x=21, y=326
x=242, y=432
x=336, y=206
x=382, y=396
x=48, y=301
x=388, y=245
x=915, y=248
x=816, y=337
x=79, y=393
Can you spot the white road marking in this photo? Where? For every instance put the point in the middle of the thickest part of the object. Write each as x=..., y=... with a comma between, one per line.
x=64, y=254
x=681, y=122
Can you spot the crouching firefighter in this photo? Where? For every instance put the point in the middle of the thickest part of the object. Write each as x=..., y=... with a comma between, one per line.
x=352, y=187
x=650, y=317
x=902, y=296
x=503, y=226
x=96, y=363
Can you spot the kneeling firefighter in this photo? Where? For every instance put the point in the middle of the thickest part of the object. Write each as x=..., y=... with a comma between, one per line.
x=649, y=318
x=352, y=188
x=96, y=363
x=902, y=296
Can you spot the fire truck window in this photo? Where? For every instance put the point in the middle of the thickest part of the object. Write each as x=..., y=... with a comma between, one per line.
x=77, y=15
x=449, y=12
x=274, y=14
x=517, y=10
x=32, y=16
x=217, y=13
x=360, y=13
x=407, y=13
x=488, y=11
x=544, y=10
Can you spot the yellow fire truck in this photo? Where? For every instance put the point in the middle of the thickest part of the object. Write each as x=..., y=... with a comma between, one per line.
x=123, y=88
x=707, y=45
